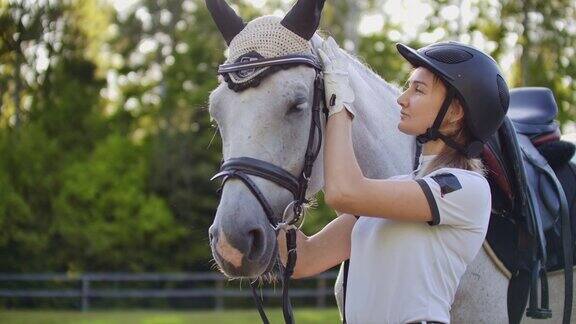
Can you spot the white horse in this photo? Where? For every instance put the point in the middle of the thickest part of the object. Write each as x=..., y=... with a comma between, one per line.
x=258, y=122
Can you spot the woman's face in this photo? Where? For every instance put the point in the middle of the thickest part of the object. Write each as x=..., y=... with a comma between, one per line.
x=420, y=102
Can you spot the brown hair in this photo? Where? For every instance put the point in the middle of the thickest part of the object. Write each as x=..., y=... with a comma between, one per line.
x=453, y=126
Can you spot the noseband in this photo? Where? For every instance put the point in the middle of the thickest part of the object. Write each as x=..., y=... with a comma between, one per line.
x=241, y=167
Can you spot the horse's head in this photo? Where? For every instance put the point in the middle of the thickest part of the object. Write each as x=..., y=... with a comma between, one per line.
x=263, y=113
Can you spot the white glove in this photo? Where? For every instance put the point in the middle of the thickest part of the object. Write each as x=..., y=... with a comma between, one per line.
x=337, y=89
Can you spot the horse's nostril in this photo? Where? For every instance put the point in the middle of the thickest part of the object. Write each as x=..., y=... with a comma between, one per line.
x=256, y=244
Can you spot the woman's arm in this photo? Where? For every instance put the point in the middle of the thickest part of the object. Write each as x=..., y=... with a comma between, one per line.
x=348, y=191
x=323, y=250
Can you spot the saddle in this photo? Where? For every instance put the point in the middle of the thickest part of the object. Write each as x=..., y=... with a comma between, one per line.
x=530, y=178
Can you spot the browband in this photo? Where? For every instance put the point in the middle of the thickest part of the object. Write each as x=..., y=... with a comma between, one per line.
x=266, y=62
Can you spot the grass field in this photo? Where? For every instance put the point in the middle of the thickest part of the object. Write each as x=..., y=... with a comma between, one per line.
x=168, y=317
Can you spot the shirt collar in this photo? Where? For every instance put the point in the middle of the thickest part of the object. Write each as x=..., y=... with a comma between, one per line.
x=423, y=160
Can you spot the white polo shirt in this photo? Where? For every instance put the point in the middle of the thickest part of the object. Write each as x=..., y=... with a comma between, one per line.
x=409, y=271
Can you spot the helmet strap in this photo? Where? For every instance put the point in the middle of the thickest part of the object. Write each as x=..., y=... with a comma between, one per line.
x=433, y=133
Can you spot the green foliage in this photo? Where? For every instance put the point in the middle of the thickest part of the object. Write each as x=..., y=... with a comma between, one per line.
x=123, y=226
x=380, y=53
x=538, y=36
x=318, y=216
x=28, y=170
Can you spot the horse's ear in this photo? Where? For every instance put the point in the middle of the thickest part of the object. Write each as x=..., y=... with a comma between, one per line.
x=304, y=17
x=227, y=21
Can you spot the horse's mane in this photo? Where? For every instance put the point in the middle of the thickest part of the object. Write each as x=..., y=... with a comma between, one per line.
x=361, y=66
x=378, y=114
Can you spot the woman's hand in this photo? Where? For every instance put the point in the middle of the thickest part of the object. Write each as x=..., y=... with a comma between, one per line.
x=338, y=92
x=321, y=251
x=341, y=170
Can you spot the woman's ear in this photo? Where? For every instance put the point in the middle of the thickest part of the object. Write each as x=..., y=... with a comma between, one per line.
x=456, y=111
x=454, y=119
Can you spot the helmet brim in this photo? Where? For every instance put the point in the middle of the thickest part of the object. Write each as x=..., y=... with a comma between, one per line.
x=416, y=59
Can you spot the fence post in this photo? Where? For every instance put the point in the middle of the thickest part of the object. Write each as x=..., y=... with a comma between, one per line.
x=219, y=302
x=321, y=293
x=85, y=293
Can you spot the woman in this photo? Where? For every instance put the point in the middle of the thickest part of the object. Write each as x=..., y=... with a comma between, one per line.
x=417, y=232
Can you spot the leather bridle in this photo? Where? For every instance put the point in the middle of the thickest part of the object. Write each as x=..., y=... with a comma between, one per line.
x=242, y=167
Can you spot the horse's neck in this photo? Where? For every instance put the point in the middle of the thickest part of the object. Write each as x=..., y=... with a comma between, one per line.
x=380, y=148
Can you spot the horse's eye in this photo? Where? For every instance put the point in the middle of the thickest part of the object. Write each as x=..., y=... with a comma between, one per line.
x=296, y=108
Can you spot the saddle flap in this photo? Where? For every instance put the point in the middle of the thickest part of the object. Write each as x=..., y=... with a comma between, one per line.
x=540, y=177
x=550, y=202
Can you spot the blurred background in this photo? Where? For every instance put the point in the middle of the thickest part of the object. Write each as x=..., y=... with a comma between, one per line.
x=106, y=146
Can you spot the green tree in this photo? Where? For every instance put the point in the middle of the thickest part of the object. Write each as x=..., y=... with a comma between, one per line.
x=107, y=216
x=536, y=38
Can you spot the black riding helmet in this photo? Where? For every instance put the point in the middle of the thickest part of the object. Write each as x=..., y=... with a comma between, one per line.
x=472, y=76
